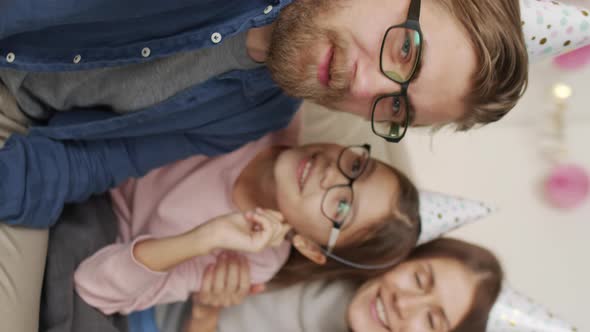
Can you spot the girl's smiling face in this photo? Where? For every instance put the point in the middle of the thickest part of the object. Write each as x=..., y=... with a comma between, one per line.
x=422, y=295
x=304, y=174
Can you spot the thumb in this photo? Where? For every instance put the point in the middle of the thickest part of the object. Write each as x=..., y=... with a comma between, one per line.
x=256, y=289
x=281, y=235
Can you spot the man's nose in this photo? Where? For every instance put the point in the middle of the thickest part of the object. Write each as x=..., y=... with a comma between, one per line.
x=370, y=82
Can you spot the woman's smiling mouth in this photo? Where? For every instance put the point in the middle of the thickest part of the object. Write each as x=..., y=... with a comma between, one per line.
x=378, y=311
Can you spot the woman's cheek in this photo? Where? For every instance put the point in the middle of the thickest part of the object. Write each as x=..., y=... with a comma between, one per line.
x=360, y=319
x=307, y=218
x=359, y=312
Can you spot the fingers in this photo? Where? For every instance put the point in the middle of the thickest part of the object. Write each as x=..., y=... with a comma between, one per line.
x=262, y=230
x=250, y=217
x=279, y=227
x=244, y=284
x=266, y=229
x=232, y=284
x=276, y=215
x=256, y=289
x=272, y=215
x=204, y=295
x=207, y=284
x=225, y=283
x=281, y=235
x=220, y=274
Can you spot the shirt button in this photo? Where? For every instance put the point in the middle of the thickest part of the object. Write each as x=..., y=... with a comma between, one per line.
x=216, y=37
x=77, y=58
x=10, y=57
x=145, y=52
x=268, y=9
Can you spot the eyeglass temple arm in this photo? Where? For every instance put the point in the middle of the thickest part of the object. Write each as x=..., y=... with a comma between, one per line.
x=361, y=266
x=333, y=237
x=414, y=12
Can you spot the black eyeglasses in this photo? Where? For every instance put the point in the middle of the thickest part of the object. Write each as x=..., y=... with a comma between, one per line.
x=338, y=201
x=401, y=50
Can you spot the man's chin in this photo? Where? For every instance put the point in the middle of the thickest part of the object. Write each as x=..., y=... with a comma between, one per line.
x=309, y=90
x=313, y=91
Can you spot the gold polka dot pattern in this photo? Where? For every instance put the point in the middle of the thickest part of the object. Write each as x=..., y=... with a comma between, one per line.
x=515, y=312
x=552, y=28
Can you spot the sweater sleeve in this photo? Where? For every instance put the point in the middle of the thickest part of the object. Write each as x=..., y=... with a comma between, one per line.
x=112, y=280
x=39, y=175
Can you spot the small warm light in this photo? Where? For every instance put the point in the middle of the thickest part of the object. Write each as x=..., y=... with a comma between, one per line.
x=562, y=91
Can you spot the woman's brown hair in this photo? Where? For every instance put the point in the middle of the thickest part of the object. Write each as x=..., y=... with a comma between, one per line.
x=495, y=30
x=390, y=241
x=477, y=260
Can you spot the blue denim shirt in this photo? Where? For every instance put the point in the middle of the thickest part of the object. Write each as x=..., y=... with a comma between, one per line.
x=87, y=151
x=41, y=35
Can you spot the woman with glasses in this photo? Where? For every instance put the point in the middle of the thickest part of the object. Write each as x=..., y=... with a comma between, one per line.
x=296, y=213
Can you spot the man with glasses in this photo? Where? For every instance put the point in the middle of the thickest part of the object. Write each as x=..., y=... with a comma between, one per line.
x=403, y=63
x=157, y=81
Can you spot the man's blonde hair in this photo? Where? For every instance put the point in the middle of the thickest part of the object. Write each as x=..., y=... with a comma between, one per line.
x=495, y=30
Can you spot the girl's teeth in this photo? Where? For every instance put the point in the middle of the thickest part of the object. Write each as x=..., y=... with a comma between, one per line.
x=305, y=173
x=381, y=311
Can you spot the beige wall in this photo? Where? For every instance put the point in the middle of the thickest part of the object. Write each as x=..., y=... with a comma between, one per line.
x=546, y=252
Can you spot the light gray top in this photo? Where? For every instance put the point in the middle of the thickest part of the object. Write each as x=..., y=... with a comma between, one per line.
x=305, y=307
x=125, y=88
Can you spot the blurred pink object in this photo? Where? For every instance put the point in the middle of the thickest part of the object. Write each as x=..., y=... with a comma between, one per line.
x=567, y=186
x=573, y=60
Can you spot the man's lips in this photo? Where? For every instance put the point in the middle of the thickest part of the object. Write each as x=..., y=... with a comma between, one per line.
x=324, y=67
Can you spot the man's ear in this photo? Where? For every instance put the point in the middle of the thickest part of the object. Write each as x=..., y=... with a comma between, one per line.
x=309, y=249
